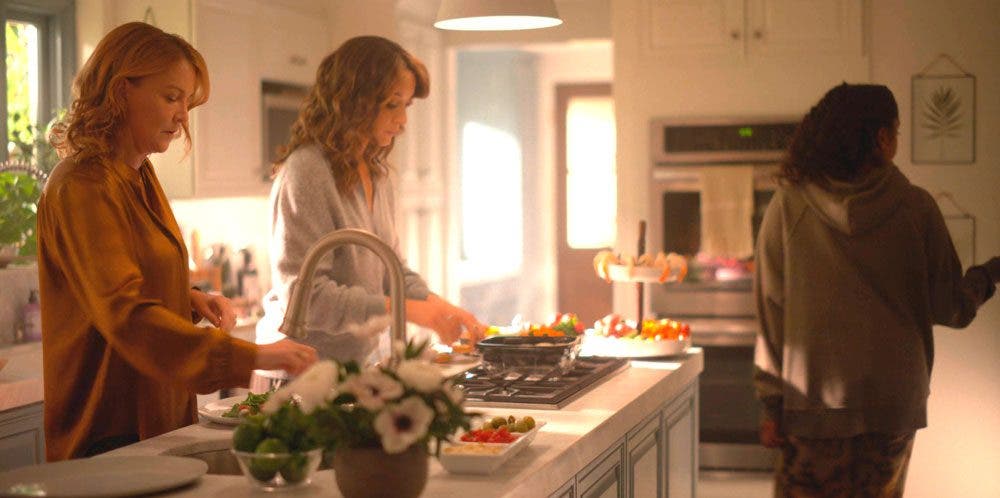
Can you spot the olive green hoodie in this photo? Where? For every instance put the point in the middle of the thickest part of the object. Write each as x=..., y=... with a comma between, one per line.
x=849, y=281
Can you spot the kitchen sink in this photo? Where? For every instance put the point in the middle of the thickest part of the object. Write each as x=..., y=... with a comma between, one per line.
x=216, y=454
x=219, y=458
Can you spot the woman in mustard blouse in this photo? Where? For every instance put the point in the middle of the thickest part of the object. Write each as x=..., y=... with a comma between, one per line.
x=122, y=357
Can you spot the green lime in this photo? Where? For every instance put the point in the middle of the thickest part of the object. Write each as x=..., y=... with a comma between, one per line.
x=519, y=426
x=496, y=422
x=296, y=469
x=263, y=468
x=247, y=436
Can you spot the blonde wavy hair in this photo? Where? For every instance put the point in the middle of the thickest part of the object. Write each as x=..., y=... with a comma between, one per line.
x=339, y=112
x=129, y=52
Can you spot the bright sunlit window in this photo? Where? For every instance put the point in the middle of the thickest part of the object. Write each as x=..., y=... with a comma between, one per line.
x=492, y=224
x=591, y=182
x=23, y=81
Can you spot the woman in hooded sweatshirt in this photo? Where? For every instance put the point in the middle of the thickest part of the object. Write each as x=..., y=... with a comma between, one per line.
x=854, y=267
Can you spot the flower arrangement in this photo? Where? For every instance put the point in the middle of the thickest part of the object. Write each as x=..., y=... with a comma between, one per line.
x=335, y=405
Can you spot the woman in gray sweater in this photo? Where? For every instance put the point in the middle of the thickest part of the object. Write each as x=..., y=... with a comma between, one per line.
x=334, y=174
x=854, y=267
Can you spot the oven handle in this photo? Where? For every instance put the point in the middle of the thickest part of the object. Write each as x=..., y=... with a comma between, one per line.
x=723, y=339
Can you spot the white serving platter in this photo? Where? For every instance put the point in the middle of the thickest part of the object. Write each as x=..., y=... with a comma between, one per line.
x=484, y=463
x=649, y=274
x=212, y=411
x=102, y=476
x=617, y=347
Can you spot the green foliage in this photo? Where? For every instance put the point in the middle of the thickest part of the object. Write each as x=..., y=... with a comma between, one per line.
x=941, y=114
x=19, y=194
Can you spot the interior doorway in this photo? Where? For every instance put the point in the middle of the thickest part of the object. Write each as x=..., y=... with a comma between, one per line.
x=586, y=190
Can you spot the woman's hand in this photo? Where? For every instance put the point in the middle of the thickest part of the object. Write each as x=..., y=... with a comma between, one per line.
x=771, y=435
x=214, y=308
x=449, y=321
x=286, y=355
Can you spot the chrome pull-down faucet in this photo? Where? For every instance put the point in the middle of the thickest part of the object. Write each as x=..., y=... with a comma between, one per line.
x=298, y=303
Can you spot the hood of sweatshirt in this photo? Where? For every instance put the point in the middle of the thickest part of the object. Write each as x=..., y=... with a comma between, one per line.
x=857, y=207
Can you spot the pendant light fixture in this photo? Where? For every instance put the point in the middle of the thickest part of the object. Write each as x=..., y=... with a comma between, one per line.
x=496, y=15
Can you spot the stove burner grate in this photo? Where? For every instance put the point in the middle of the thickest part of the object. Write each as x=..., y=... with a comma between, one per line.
x=548, y=388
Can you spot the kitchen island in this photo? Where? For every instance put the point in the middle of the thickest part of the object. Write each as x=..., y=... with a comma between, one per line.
x=635, y=434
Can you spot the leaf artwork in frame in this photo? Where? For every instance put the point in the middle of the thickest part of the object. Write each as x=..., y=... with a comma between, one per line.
x=943, y=113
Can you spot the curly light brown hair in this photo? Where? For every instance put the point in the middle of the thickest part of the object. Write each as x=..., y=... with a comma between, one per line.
x=339, y=112
x=127, y=53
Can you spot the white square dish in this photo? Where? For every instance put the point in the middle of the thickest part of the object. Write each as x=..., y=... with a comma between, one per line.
x=463, y=457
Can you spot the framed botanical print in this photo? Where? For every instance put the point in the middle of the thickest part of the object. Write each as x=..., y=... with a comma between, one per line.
x=943, y=118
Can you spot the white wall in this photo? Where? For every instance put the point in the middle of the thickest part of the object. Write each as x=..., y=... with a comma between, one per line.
x=957, y=455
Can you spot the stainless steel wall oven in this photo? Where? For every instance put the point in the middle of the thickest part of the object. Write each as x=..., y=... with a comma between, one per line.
x=717, y=299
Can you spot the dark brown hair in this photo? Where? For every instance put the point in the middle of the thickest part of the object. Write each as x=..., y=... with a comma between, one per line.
x=838, y=138
x=351, y=85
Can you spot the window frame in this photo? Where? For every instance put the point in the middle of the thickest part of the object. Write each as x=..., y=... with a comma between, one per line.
x=56, y=21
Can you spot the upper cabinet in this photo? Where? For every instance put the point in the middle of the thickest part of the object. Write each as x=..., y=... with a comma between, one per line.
x=290, y=44
x=244, y=44
x=751, y=28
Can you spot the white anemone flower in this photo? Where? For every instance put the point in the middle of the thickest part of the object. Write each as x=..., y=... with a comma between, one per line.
x=372, y=389
x=313, y=388
x=402, y=424
x=420, y=375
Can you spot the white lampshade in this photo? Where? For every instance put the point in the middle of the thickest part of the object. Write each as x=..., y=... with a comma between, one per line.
x=496, y=15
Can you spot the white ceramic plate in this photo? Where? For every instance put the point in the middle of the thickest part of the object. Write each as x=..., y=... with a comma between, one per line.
x=213, y=410
x=484, y=463
x=102, y=476
x=597, y=345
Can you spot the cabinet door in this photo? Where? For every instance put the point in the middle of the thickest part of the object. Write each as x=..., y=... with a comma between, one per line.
x=777, y=27
x=228, y=160
x=175, y=167
x=681, y=422
x=646, y=456
x=290, y=44
x=567, y=490
x=604, y=478
x=696, y=26
x=22, y=440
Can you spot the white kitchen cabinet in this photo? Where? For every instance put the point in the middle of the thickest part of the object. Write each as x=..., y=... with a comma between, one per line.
x=658, y=458
x=22, y=437
x=746, y=29
x=227, y=145
x=290, y=44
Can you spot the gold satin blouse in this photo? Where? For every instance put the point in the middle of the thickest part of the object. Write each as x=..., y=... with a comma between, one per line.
x=120, y=353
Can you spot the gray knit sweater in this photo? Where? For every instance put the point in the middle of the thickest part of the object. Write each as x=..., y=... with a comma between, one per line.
x=351, y=284
x=850, y=281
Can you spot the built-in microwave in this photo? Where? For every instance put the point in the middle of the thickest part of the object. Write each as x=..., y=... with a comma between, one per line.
x=686, y=155
x=280, y=104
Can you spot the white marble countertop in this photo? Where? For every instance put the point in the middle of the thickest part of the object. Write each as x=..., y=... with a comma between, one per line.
x=571, y=438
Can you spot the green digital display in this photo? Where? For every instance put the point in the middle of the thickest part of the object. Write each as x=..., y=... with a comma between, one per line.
x=745, y=131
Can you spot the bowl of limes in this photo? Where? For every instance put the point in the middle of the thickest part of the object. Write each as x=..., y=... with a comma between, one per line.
x=271, y=470
x=268, y=461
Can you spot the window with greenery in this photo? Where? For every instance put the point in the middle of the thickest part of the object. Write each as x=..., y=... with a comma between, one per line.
x=38, y=41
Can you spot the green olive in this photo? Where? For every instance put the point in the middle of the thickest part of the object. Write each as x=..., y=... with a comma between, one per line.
x=529, y=422
x=511, y=419
x=519, y=427
x=498, y=421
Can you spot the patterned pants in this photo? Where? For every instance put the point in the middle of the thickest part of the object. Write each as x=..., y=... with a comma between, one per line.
x=863, y=466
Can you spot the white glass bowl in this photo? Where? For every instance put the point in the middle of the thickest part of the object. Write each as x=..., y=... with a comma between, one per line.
x=272, y=471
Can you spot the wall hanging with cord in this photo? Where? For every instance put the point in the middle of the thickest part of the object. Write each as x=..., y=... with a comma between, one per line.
x=943, y=113
x=961, y=225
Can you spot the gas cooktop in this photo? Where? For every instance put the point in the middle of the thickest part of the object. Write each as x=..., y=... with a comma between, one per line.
x=546, y=388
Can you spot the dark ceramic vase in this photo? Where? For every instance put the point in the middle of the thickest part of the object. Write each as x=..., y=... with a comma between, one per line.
x=373, y=473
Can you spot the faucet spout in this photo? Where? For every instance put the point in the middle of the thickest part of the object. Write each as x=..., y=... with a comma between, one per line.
x=294, y=322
